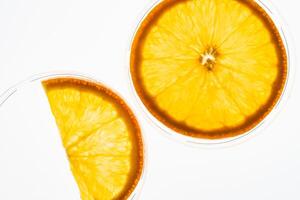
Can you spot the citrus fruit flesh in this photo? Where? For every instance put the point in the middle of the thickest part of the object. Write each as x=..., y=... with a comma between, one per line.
x=208, y=68
x=100, y=135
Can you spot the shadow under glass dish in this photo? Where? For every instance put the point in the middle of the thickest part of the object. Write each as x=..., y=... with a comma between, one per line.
x=40, y=162
x=169, y=65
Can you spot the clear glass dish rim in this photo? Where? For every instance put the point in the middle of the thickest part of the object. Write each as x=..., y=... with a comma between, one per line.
x=287, y=38
x=6, y=95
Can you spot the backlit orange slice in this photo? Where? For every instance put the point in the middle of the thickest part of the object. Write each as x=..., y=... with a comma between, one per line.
x=101, y=136
x=208, y=68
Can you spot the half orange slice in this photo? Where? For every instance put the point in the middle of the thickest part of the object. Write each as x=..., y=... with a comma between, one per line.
x=208, y=68
x=101, y=136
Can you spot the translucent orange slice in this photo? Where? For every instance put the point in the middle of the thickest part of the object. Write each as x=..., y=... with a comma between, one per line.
x=208, y=68
x=101, y=136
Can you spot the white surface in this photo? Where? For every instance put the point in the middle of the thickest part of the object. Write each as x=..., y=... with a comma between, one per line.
x=93, y=37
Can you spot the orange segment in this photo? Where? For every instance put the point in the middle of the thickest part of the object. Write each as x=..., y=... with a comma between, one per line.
x=101, y=137
x=208, y=68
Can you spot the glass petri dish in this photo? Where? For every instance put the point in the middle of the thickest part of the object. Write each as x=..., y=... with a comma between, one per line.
x=34, y=161
x=287, y=40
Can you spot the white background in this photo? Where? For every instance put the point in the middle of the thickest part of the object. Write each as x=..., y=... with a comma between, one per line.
x=93, y=37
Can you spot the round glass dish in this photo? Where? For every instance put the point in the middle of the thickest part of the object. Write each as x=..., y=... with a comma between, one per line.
x=291, y=60
x=34, y=157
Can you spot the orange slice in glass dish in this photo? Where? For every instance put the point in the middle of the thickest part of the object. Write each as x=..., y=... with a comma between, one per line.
x=209, y=69
x=100, y=135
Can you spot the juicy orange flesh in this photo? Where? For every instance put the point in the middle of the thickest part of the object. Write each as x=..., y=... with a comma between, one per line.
x=99, y=139
x=207, y=64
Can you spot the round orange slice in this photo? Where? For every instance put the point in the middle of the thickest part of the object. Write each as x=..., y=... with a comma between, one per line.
x=208, y=69
x=101, y=136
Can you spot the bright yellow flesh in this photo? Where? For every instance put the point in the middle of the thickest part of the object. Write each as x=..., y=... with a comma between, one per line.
x=174, y=63
x=99, y=140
